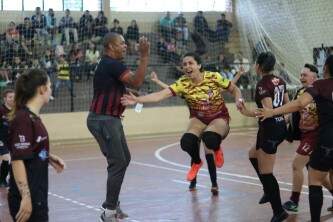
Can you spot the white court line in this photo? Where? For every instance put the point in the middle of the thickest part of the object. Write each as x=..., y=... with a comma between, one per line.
x=186, y=182
x=159, y=157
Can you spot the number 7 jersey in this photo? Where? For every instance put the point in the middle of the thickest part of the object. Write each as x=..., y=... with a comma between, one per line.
x=273, y=87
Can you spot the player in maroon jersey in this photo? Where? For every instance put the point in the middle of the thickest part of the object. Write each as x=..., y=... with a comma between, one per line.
x=321, y=159
x=270, y=93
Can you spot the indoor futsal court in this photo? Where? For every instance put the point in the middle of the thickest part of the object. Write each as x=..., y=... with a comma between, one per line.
x=155, y=188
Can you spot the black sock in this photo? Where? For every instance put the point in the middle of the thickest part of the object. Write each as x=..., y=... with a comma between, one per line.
x=211, y=169
x=271, y=188
x=254, y=162
x=196, y=155
x=316, y=202
x=4, y=169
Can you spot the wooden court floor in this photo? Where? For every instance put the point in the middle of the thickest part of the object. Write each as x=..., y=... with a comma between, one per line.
x=155, y=189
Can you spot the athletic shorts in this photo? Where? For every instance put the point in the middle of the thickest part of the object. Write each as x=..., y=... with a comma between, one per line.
x=3, y=150
x=270, y=134
x=322, y=158
x=208, y=120
x=308, y=143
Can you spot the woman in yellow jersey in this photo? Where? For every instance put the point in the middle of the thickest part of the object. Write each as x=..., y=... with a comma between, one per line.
x=209, y=117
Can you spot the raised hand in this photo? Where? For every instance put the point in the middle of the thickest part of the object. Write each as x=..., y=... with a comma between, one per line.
x=144, y=47
x=153, y=77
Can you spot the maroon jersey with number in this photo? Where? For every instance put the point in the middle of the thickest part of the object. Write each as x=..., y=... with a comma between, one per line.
x=29, y=142
x=322, y=93
x=270, y=86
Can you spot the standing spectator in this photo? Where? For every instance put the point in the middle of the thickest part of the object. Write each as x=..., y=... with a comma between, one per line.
x=76, y=56
x=86, y=26
x=26, y=30
x=67, y=25
x=49, y=64
x=181, y=28
x=100, y=28
x=104, y=119
x=166, y=26
x=200, y=23
x=39, y=23
x=51, y=25
x=63, y=77
x=116, y=27
x=132, y=36
x=223, y=27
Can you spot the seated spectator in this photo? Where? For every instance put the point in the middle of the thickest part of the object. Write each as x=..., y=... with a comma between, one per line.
x=132, y=37
x=4, y=73
x=12, y=34
x=86, y=26
x=100, y=25
x=59, y=51
x=172, y=55
x=51, y=25
x=162, y=49
x=26, y=30
x=165, y=26
x=67, y=25
x=223, y=27
x=39, y=23
x=91, y=59
x=63, y=77
x=76, y=56
x=181, y=28
x=17, y=67
x=116, y=27
x=200, y=23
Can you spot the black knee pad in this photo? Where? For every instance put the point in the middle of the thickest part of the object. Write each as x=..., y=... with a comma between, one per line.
x=212, y=140
x=188, y=142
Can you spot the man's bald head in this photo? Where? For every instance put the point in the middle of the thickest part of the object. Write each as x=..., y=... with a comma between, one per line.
x=114, y=45
x=110, y=38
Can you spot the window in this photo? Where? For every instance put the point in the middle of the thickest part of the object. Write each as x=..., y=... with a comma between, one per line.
x=55, y=5
x=30, y=5
x=168, y=5
x=12, y=5
x=92, y=5
x=73, y=5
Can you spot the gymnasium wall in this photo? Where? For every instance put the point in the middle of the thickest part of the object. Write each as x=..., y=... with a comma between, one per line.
x=151, y=121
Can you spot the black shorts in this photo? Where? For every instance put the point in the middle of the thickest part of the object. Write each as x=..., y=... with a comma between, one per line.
x=270, y=134
x=322, y=158
x=3, y=150
x=40, y=212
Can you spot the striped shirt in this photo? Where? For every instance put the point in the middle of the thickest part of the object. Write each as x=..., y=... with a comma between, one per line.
x=63, y=71
x=108, y=87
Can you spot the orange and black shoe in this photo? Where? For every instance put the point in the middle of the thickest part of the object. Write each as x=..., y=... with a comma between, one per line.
x=219, y=158
x=193, y=171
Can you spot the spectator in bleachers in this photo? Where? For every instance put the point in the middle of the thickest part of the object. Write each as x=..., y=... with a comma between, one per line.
x=4, y=77
x=132, y=37
x=63, y=77
x=67, y=25
x=91, y=59
x=116, y=27
x=39, y=23
x=12, y=34
x=181, y=28
x=223, y=27
x=86, y=26
x=59, y=51
x=284, y=74
x=165, y=26
x=76, y=58
x=100, y=26
x=162, y=49
x=199, y=43
x=172, y=51
x=26, y=30
x=17, y=67
x=51, y=25
x=34, y=64
x=200, y=23
x=49, y=64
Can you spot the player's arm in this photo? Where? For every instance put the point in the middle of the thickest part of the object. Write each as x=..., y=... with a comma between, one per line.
x=130, y=99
